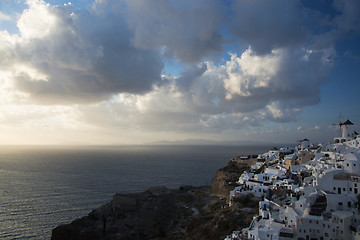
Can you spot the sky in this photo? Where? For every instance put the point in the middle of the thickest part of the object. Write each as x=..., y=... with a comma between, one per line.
x=108, y=72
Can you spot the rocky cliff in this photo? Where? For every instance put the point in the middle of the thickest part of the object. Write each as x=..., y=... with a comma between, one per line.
x=226, y=177
x=161, y=213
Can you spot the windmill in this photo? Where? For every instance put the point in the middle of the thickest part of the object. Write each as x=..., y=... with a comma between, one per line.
x=304, y=143
x=343, y=127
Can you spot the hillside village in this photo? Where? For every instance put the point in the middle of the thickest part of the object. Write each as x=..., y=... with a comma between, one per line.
x=308, y=192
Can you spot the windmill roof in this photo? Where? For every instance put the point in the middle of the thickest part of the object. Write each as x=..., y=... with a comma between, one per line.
x=348, y=122
x=304, y=140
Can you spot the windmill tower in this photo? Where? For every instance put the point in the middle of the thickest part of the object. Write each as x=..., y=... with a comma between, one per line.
x=344, y=129
x=304, y=143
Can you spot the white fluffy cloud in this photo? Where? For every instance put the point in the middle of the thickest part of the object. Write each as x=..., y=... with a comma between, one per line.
x=78, y=57
x=284, y=74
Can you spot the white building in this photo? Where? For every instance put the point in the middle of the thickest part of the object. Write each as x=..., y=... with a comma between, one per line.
x=339, y=182
x=244, y=177
x=351, y=163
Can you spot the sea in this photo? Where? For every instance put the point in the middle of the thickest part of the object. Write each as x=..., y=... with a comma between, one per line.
x=42, y=187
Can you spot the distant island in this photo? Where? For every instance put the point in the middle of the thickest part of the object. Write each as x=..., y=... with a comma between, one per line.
x=213, y=142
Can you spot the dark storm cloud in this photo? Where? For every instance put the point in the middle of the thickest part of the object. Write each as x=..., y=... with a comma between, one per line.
x=187, y=77
x=189, y=30
x=266, y=25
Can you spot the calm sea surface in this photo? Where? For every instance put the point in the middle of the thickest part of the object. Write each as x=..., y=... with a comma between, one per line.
x=43, y=187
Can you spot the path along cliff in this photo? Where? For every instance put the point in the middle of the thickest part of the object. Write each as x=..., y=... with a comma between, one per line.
x=161, y=213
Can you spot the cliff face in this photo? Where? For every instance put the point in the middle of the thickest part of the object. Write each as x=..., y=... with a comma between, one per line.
x=146, y=215
x=226, y=177
x=161, y=213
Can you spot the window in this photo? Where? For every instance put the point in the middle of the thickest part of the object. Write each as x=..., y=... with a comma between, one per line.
x=355, y=190
x=347, y=164
x=341, y=220
x=335, y=188
x=340, y=203
x=317, y=222
x=309, y=221
x=350, y=189
x=344, y=189
x=355, y=184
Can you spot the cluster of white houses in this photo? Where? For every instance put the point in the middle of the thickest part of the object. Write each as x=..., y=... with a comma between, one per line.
x=308, y=192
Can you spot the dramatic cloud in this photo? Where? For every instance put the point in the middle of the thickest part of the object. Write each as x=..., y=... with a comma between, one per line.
x=283, y=75
x=79, y=57
x=241, y=63
x=250, y=87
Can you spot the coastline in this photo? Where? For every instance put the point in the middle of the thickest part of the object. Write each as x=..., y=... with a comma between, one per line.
x=59, y=185
x=161, y=213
